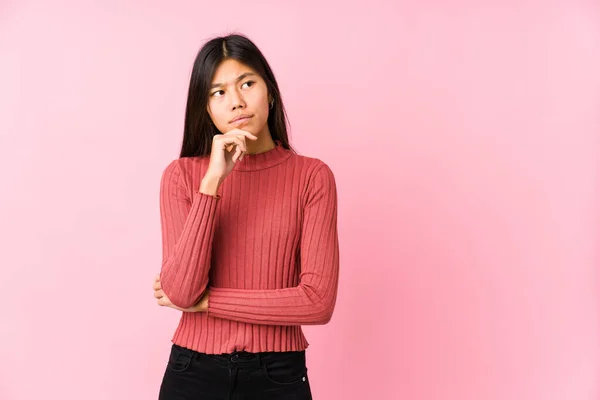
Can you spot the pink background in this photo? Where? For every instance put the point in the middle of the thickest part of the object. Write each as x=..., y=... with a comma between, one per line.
x=464, y=140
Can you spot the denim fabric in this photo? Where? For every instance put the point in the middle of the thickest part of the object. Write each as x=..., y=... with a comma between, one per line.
x=191, y=375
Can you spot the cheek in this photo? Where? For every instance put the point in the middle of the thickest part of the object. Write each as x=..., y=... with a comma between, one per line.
x=260, y=100
x=264, y=113
x=264, y=107
x=218, y=115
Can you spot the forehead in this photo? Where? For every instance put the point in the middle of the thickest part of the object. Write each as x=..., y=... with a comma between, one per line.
x=230, y=69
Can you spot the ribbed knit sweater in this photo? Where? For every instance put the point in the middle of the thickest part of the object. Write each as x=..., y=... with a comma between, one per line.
x=266, y=246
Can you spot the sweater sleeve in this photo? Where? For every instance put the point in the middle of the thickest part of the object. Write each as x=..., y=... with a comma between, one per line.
x=313, y=300
x=188, y=226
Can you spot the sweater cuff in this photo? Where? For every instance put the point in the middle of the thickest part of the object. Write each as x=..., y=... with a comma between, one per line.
x=198, y=194
x=216, y=303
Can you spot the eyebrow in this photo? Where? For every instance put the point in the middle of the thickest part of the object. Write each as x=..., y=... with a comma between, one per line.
x=239, y=78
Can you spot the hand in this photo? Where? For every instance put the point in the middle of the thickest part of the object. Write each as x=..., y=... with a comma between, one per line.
x=227, y=149
x=163, y=300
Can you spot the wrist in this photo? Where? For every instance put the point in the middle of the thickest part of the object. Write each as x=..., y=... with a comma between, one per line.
x=210, y=185
x=202, y=305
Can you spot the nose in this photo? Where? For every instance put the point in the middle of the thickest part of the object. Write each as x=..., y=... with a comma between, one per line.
x=237, y=100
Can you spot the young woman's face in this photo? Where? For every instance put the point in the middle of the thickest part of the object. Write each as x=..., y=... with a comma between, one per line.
x=238, y=90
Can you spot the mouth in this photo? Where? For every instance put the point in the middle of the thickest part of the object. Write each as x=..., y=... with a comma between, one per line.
x=241, y=119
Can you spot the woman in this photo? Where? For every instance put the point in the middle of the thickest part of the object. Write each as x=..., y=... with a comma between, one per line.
x=249, y=233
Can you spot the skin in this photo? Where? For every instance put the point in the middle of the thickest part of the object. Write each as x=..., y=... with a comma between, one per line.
x=231, y=97
x=237, y=89
x=163, y=300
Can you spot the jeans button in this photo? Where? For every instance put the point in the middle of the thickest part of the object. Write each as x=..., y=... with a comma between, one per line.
x=235, y=357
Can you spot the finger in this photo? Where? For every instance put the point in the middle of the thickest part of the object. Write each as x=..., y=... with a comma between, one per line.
x=158, y=294
x=157, y=286
x=157, y=277
x=163, y=301
x=241, y=141
x=237, y=155
x=237, y=131
x=235, y=141
x=240, y=154
x=223, y=141
x=228, y=139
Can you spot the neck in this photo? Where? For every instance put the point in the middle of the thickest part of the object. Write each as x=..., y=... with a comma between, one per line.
x=263, y=143
x=263, y=159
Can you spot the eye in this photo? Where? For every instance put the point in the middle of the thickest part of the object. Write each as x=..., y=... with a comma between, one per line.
x=249, y=82
x=214, y=93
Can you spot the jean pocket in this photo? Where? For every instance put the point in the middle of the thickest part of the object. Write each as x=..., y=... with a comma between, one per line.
x=179, y=358
x=285, y=370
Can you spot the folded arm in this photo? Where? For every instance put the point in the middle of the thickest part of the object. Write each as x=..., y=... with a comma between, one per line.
x=311, y=302
x=188, y=227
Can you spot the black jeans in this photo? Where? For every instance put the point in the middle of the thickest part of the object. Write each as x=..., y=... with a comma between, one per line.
x=191, y=375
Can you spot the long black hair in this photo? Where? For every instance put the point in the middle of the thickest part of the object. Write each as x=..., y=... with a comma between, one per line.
x=198, y=129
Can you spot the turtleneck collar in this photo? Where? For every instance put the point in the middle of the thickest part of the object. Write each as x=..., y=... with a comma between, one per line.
x=266, y=159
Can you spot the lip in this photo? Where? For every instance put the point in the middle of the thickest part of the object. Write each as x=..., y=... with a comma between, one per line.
x=240, y=117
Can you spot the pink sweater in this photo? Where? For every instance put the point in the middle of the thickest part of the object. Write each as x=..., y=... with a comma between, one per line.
x=266, y=246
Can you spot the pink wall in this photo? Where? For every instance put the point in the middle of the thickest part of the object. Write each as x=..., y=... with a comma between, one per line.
x=464, y=139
